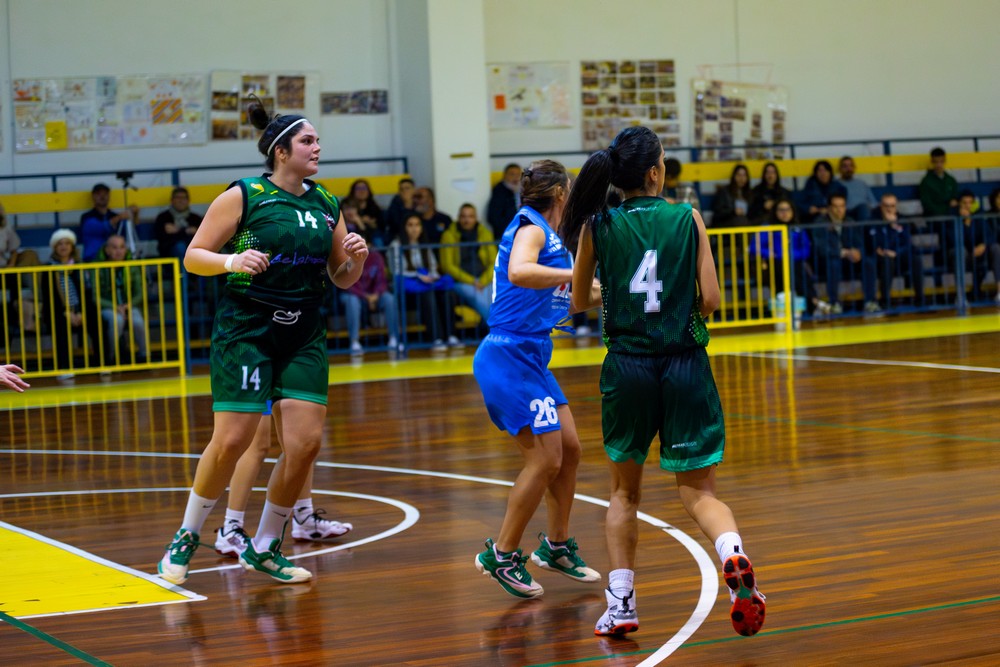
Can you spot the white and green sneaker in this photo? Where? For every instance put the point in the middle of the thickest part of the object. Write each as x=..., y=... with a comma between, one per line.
x=174, y=565
x=563, y=559
x=273, y=563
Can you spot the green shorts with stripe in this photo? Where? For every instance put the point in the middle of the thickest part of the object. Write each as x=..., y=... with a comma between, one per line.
x=260, y=353
x=673, y=396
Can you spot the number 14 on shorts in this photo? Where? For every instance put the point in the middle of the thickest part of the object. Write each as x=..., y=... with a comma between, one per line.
x=251, y=378
x=545, y=411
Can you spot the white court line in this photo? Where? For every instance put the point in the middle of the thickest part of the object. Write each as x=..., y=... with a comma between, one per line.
x=191, y=597
x=709, y=578
x=870, y=362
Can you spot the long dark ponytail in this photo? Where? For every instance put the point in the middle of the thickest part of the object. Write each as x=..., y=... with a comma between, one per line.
x=623, y=164
x=279, y=126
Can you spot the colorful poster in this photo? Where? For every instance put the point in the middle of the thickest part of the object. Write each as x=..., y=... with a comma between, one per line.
x=528, y=95
x=615, y=94
x=358, y=102
x=739, y=121
x=80, y=113
x=280, y=93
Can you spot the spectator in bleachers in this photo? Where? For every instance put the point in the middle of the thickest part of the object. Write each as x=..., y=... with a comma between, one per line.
x=470, y=265
x=817, y=191
x=174, y=227
x=938, y=189
x=435, y=222
x=399, y=209
x=370, y=213
x=674, y=191
x=12, y=255
x=764, y=195
x=505, y=198
x=894, y=252
x=70, y=306
x=840, y=254
x=768, y=248
x=120, y=293
x=100, y=222
x=731, y=202
x=979, y=245
x=860, y=198
x=371, y=295
x=423, y=283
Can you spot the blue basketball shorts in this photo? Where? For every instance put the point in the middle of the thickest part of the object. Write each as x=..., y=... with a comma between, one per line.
x=518, y=387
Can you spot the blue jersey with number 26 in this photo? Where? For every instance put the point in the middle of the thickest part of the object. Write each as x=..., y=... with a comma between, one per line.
x=524, y=310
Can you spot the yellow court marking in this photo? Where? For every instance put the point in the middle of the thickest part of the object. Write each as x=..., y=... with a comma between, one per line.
x=565, y=355
x=56, y=578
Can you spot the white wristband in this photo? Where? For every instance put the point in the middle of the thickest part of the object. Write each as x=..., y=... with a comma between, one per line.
x=229, y=263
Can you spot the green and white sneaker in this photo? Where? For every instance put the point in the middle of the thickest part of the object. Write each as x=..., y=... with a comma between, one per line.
x=509, y=572
x=174, y=565
x=563, y=559
x=273, y=564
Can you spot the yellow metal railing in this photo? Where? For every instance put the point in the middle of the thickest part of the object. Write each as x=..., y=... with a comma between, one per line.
x=741, y=277
x=47, y=337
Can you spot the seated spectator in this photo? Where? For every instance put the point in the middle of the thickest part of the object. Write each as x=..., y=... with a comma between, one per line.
x=372, y=222
x=860, y=198
x=817, y=191
x=731, y=203
x=938, y=189
x=410, y=258
x=470, y=265
x=174, y=227
x=120, y=293
x=978, y=244
x=100, y=222
x=894, y=252
x=505, y=198
x=768, y=248
x=674, y=191
x=435, y=222
x=840, y=253
x=764, y=195
x=399, y=209
x=16, y=294
x=70, y=307
x=371, y=295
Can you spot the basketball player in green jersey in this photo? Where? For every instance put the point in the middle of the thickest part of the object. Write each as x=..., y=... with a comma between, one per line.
x=285, y=235
x=658, y=281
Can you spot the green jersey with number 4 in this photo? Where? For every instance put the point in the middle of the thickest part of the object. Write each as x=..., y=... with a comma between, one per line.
x=295, y=231
x=647, y=253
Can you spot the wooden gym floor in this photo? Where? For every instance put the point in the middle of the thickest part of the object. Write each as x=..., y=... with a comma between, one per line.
x=863, y=465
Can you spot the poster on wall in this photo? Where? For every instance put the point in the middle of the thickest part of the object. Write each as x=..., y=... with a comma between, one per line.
x=739, y=121
x=528, y=95
x=281, y=93
x=358, y=102
x=109, y=112
x=618, y=93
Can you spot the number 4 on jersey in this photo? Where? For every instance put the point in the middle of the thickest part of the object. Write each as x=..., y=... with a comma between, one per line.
x=644, y=282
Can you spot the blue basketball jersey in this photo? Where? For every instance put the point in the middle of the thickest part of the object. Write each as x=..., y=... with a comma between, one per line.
x=524, y=310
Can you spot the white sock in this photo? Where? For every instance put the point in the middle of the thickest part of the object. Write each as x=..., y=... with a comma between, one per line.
x=197, y=512
x=729, y=544
x=272, y=525
x=232, y=516
x=621, y=582
x=303, y=508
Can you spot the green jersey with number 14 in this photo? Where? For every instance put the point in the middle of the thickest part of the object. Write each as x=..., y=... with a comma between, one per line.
x=295, y=231
x=647, y=254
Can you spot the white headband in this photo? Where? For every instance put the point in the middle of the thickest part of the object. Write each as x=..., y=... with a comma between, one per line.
x=282, y=133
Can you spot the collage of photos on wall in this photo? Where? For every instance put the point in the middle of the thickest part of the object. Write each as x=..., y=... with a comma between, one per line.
x=231, y=91
x=739, y=121
x=619, y=93
x=356, y=102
